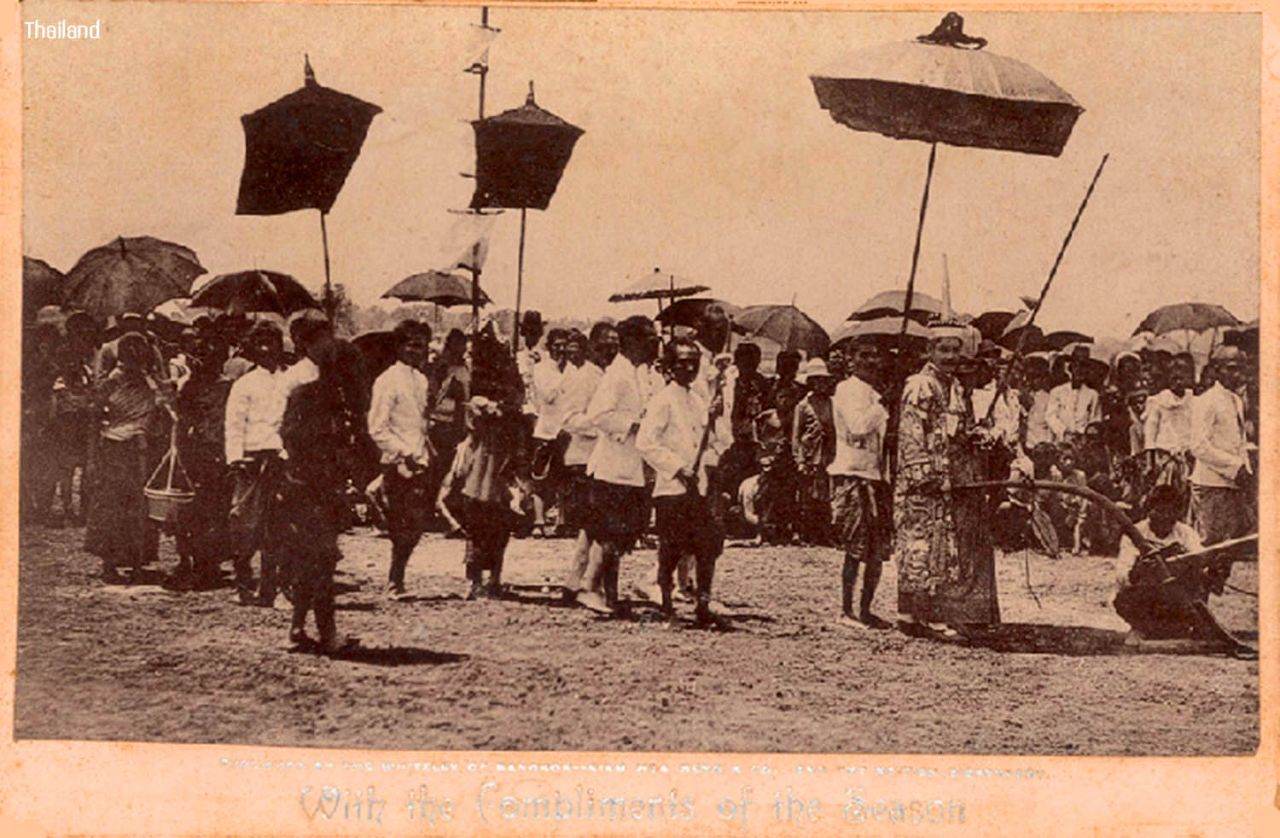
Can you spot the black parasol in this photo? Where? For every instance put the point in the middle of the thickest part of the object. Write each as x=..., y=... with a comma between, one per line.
x=299, y=149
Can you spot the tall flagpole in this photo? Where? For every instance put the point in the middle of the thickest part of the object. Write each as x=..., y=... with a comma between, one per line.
x=481, y=69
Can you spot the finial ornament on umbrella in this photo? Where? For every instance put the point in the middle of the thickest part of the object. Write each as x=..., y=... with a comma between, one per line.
x=950, y=33
x=529, y=99
x=308, y=74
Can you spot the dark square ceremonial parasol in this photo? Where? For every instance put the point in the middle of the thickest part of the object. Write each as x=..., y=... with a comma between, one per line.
x=520, y=156
x=299, y=149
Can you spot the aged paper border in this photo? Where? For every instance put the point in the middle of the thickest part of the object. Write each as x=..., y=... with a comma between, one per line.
x=126, y=788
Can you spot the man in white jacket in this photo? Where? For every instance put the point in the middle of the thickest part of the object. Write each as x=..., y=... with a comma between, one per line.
x=254, y=411
x=671, y=440
x=1218, y=499
x=618, y=499
x=398, y=414
x=860, y=513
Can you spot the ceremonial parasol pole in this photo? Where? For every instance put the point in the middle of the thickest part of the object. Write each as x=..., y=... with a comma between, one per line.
x=328, y=286
x=915, y=253
x=515, y=328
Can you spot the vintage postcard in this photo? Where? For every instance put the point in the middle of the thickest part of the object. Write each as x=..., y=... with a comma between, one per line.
x=714, y=419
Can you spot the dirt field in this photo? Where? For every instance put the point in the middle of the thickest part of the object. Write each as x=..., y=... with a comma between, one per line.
x=144, y=663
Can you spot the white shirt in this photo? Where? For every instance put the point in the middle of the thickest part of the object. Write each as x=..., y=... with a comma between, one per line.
x=1166, y=422
x=614, y=413
x=1038, y=431
x=1217, y=437
x=861, y=421
x=255, y=409
x=1182, y=534
x=526, y=360
x=579, y=386
x=670, y=434
x=398, y=414
x=1071, y=409
x=547, y=381
x=1006, y=415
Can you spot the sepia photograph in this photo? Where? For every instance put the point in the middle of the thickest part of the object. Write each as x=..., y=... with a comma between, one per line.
x=546, y=379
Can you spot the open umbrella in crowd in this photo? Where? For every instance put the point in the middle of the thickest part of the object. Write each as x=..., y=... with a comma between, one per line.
x=249, y=291
x=130, y=275
x=42, y=285
x=439, y=287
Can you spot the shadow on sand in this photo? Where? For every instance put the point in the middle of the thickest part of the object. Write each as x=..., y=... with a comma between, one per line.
x=1074, y=641
x=396, y=656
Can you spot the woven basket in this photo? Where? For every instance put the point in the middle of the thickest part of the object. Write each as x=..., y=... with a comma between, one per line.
x=164, y=501
x=163, y=504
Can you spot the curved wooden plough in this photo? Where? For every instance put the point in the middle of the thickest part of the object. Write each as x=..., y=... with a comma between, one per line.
x=1160, y=557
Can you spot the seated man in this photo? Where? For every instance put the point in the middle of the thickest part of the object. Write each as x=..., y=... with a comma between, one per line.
x=1156, y=606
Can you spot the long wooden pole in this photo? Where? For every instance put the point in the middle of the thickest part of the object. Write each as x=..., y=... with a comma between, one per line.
x=515, y=327
x=1044, y=291
x=328, y=284
x=915, y=253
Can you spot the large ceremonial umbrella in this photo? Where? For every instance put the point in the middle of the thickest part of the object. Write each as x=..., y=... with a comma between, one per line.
x=439, y=287
x=1192, y=317
x=891, y=303
x=130, y=275
x=298, y=151
x=521, y=155
x=41, y=286
x=250, y=291
x=943, y=88
x=787, y=326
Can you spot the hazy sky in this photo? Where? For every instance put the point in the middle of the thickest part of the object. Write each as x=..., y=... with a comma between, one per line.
x=705, y=153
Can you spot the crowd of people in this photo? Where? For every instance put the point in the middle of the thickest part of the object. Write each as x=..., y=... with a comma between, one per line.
x=616, y=437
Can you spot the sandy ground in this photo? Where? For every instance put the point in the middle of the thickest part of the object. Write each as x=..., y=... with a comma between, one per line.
x=146, y=664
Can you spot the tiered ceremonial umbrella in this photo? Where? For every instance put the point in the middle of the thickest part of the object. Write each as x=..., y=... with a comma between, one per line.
x=521, y=155
x=130, y=275
x=41, y=286
x=788, y=326
x=298, y=151
x=943, y=88
x=254, y=291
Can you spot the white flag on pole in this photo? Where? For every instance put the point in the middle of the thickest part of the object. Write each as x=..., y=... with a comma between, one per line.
x=467, y=242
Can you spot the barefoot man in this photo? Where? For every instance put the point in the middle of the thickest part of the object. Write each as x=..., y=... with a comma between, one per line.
x=860, y=514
